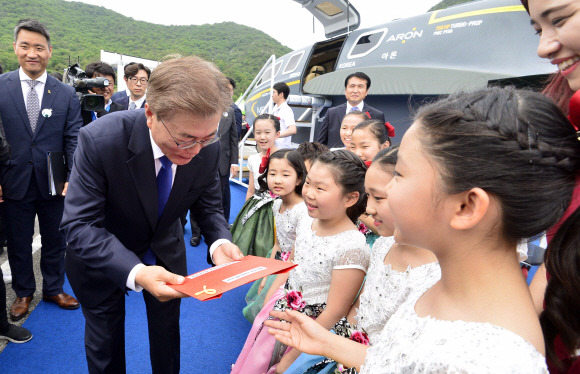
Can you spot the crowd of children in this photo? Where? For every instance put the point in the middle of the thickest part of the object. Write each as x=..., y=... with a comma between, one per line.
x=441, y=288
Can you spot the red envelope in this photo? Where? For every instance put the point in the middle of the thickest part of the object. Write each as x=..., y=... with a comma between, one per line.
x=213, y=282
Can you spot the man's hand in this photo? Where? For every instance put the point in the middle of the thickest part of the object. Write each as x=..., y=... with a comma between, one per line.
x=234, y=170
x=1, y=195
x=155, y=279
x=64, y=189
x=226, y=252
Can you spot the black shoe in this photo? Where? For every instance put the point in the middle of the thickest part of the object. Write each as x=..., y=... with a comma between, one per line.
x=194, y=241
x=16, y=334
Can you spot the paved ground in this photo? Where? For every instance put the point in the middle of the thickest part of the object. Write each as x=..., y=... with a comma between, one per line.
x=10, y=296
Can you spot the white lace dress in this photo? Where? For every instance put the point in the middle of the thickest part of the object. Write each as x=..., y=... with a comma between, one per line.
x=286, y=224
x=386, y=289
x=413, y=344
x=318, y=256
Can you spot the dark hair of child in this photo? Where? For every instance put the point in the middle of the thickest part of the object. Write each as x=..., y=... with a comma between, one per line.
x=310, y=150
x=377, y=128
x=514, y=144
x=348, y=171
x=387, y=158
x=274, y=119
x=295, y=161
x=562, y=300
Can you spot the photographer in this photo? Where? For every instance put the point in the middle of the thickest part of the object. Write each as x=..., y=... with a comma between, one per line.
x=101, y=69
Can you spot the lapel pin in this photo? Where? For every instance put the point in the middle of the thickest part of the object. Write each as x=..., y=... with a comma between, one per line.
x=48, y=91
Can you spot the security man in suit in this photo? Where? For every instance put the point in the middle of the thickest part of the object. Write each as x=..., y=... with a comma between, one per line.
x=40, y=115
x=356, y=88
x=134, y=175
x=228, y=165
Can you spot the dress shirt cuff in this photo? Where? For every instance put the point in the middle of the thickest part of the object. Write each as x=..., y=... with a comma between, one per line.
x=131, y=279
x=216, y=244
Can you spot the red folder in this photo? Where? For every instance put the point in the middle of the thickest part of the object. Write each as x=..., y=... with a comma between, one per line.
x=213, y=282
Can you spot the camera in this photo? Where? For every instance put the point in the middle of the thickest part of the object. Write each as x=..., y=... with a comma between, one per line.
x=77, y=78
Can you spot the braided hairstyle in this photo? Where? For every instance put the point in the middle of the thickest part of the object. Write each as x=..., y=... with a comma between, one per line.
x=562, y=301
x=514, y=144
x=348, y=171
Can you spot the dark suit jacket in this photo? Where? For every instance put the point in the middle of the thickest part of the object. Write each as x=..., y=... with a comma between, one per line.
x=110, y=214
x=56, y=133
x=238, y=115
x=228, y=133
x=330, y=130
x=119, y=95
x=88, y=116
x=125, y=102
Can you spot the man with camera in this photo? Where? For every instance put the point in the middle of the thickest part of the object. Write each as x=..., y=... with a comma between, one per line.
x=40, y=115
x=104, y=70
x=137, y=79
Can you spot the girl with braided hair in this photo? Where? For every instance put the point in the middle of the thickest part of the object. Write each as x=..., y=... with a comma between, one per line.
x=557, y=22
x=476, y=173
x=332, y=258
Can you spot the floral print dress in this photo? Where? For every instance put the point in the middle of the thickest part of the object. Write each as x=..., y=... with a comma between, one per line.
x=305, y=291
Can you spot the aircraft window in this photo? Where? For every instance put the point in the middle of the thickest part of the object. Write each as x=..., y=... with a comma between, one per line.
x=293, y=62
x=329, y=9
x=366, y=43
x=267, y=76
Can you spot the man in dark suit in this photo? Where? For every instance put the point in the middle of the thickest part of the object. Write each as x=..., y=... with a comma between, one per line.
x=40, y=115
x=228, y=164
x=124, y=93
x=102, y=69
x=356, y=88
x=119, y=215
x=237, y=111
x=137, y=78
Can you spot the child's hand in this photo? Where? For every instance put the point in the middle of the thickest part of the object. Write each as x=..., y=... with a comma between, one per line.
x=302, y=333
x=262, y=285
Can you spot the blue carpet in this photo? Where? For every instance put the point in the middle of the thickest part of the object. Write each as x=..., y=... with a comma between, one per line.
x=212, y=332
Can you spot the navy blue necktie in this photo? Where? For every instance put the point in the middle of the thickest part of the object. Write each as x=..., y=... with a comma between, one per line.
x=164, y=181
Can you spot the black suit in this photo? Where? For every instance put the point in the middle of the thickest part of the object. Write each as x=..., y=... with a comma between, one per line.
x=110, y=221
x=330, y=130
x=119, y=95
x=88, y=116
x=228, y=134
x=25, y=179
x=124, y=101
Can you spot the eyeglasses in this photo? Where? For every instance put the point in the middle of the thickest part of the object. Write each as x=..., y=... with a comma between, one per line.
x=143, y=81
x=191, y=143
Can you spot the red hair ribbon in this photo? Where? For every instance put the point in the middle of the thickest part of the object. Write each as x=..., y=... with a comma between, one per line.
x=368, y=163
x=264, y=163
x=368, y=115
x=390, y=129
x=574, y=111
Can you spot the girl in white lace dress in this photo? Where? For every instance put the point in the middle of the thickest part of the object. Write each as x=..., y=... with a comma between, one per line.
x=253, y=228
x=284, y=177
x=331, y=254
x=395, y=271
x=476, y=173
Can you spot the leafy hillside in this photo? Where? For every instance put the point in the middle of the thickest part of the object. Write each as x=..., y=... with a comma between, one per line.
x=82, y=30
x=447, y=3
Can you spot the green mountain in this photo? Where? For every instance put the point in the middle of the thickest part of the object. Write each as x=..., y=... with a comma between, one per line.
x=82, y=30
x=447, y=3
